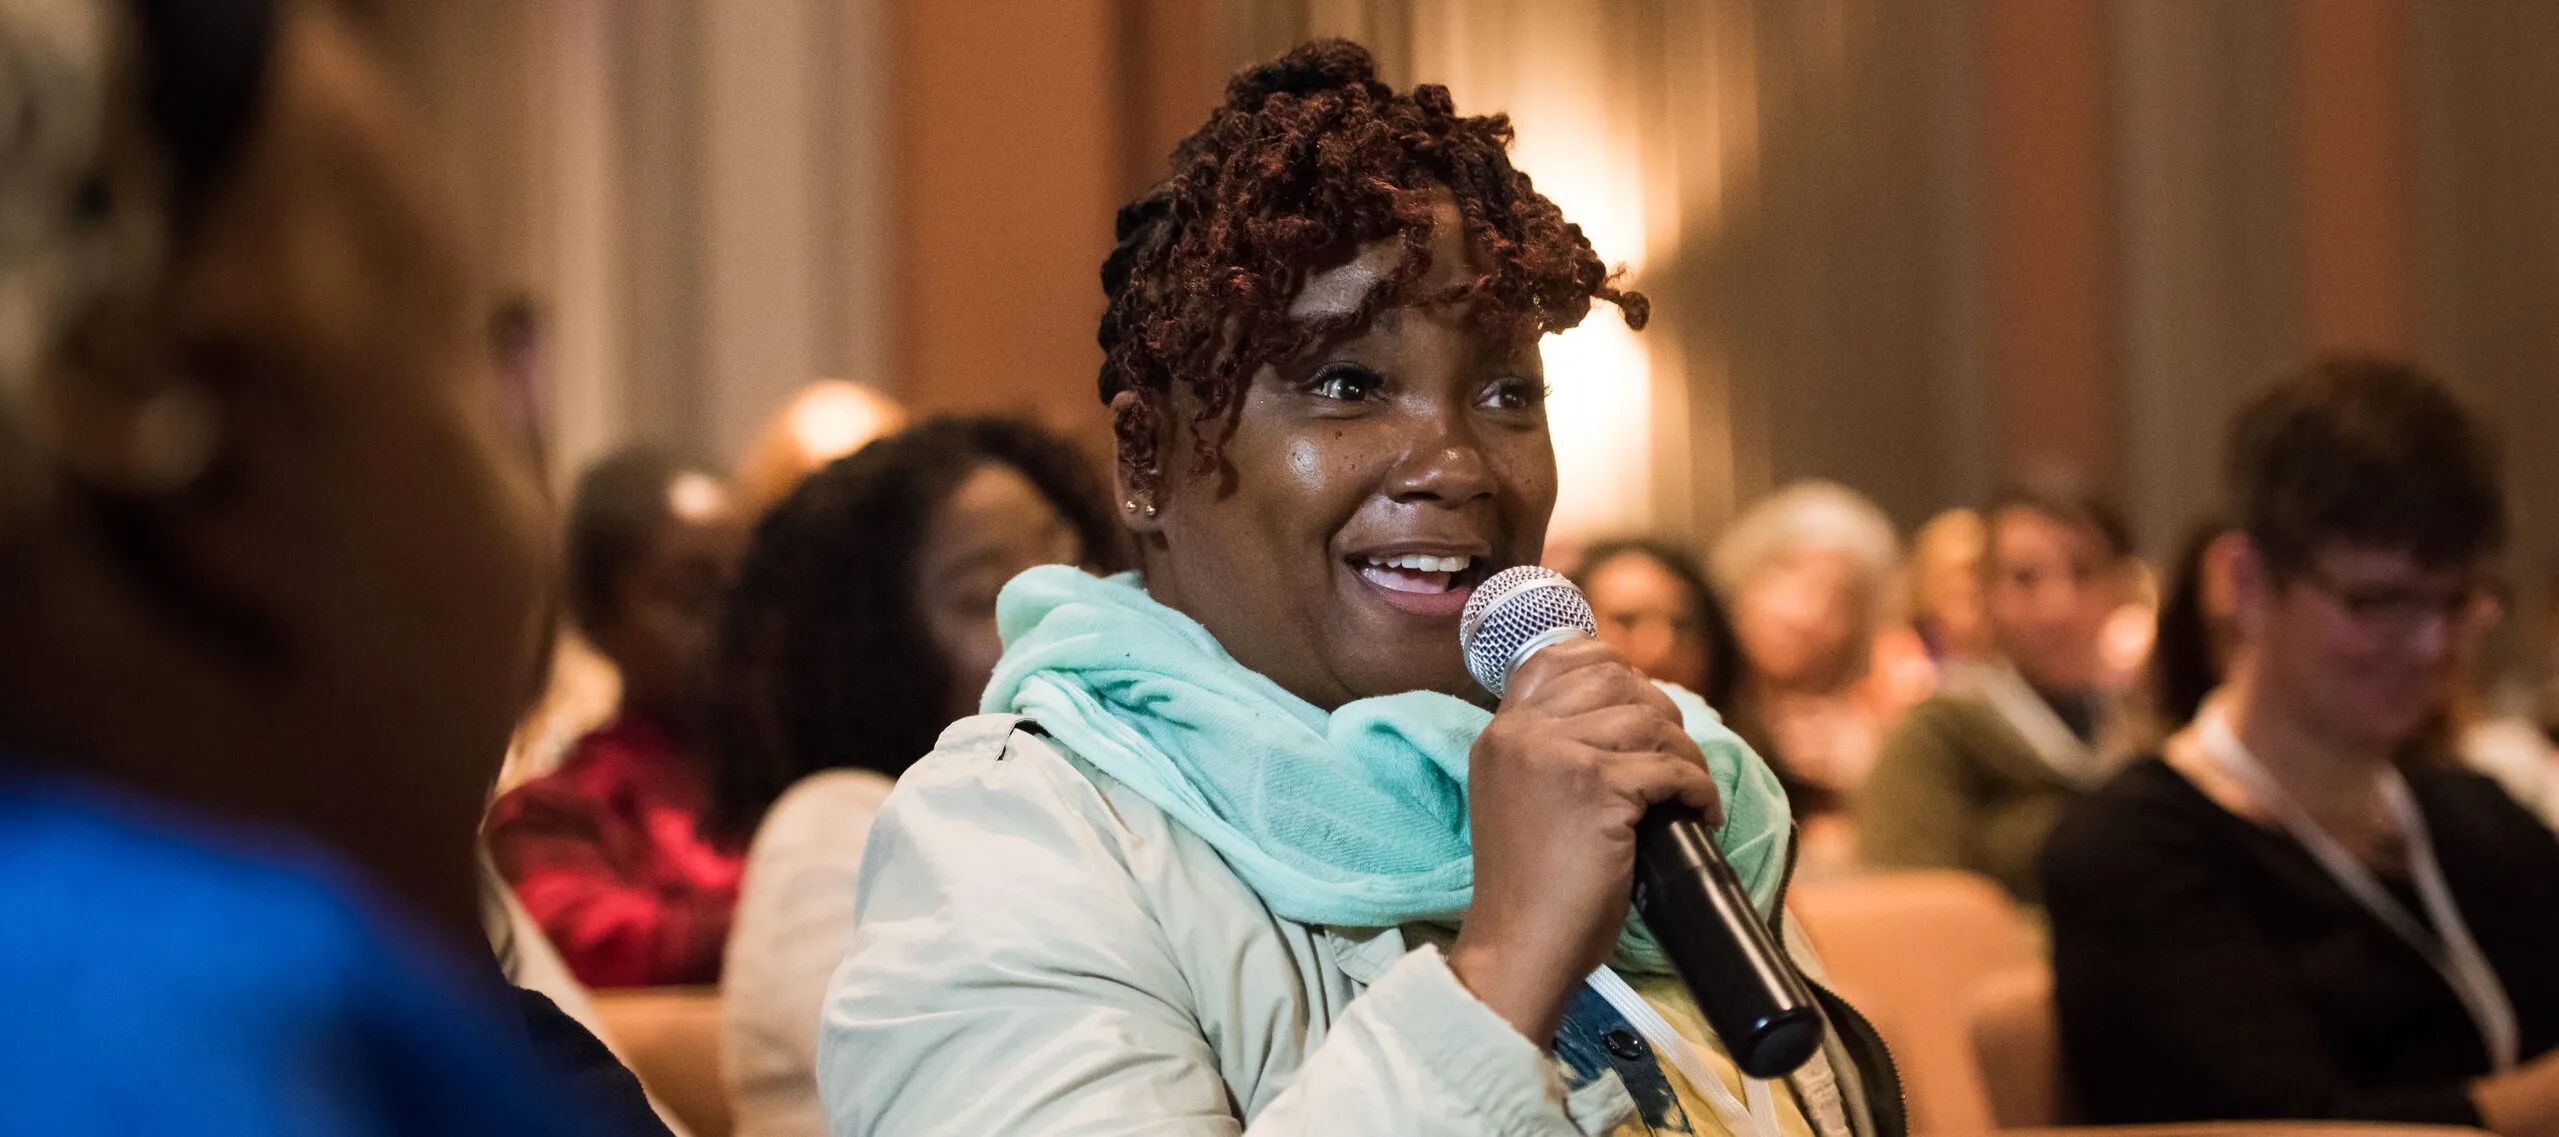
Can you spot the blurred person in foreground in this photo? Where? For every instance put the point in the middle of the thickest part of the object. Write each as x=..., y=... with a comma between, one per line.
x=2290, y=912
x=270, y=580
x=607, y=851
x=1974, y=777
x=1656, y=608
x=1241, y=847
x=862, y=624
x=1812, y=572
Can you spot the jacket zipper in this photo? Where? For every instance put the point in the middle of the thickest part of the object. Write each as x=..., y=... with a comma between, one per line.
x=1835, y=1007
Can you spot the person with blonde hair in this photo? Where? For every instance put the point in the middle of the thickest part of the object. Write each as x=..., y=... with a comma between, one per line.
x=1813, y=573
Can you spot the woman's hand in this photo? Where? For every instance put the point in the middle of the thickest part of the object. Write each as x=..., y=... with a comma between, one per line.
x=1582, y=745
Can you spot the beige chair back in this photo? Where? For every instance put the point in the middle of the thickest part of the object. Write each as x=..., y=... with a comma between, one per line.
x=2017, y=1042
x=2251, y=1129
x=1909, y=949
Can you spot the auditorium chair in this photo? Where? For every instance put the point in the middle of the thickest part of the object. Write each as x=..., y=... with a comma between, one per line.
x=2251, y=1129
x=671, y=1038
x=2017, y=1042
x=1909, y=949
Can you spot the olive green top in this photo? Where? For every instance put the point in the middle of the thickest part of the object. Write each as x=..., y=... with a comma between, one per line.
x=1957, y=786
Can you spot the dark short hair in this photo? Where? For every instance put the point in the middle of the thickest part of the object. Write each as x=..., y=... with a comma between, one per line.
x=1723, y=647
x=2363, y=451
x=2074, y=508
x=824, y=661
x=617, y=507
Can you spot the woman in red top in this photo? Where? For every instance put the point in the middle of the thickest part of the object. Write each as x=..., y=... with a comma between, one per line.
x=605, y=851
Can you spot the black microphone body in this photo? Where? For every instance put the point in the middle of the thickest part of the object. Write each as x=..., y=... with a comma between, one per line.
x=1687, y=894
x=1725, y=954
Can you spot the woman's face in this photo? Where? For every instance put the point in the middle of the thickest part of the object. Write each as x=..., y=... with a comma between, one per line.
x=1645, y=612
x=1366, y=487
x=2052, y=586
x=1796, y=616
x=669, y=604
x=2366, y=644
x=994, y=526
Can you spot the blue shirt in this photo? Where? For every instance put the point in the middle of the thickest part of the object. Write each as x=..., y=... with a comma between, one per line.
x=161, y=975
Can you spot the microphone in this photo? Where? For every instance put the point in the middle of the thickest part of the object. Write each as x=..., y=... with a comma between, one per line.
x=1686, y=892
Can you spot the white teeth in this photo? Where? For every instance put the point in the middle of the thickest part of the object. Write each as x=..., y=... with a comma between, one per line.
x=1419, y=562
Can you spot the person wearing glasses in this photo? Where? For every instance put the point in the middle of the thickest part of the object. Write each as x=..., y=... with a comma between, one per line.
x=2291, y=911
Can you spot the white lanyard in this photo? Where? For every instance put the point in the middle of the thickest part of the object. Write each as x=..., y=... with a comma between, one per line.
x=1759, y=1119
x=2007, y=694
x=2448, y=946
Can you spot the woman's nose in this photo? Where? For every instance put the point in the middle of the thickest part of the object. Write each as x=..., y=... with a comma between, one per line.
x=1448, y=469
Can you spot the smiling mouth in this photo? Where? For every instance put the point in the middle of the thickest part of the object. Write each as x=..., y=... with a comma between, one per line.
x=1423, y=583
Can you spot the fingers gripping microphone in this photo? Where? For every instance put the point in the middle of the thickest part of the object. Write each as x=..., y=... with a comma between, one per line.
x=1687, y=894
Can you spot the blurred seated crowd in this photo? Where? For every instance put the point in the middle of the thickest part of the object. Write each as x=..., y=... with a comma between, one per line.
x=2288, y=835
x=2015, y=697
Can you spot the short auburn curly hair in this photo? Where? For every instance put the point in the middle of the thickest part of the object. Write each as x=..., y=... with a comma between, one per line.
x=1310, y=157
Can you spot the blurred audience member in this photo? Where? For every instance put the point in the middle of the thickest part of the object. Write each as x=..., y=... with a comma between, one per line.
x=862, y=624
x=1945, y=586
x=270, y=578
x=605, y=851
x=827, y=420
x=2509, y=748
x=2285, y=914
x=2196, y=636
x=1656, y=608
x=1975, y=777
x=1811, y=571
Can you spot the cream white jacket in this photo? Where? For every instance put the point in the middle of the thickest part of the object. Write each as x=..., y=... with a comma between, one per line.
x=794, y=918
x=1038, y=950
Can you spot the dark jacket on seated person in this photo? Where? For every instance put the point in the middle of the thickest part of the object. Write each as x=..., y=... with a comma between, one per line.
x=2208, y=968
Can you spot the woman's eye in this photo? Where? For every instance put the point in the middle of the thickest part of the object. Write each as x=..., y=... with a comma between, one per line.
x=1346, y=382
x=1516, y=395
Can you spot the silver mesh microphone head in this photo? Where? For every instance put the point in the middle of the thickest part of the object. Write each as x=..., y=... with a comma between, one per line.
x=1514, y=614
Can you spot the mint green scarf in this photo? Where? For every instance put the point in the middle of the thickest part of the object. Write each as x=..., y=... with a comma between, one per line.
x=1353, y=819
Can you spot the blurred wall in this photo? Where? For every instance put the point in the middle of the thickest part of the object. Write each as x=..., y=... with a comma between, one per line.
x=1915, y=247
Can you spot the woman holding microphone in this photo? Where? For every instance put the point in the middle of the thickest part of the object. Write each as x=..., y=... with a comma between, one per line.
x=1240, y=846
